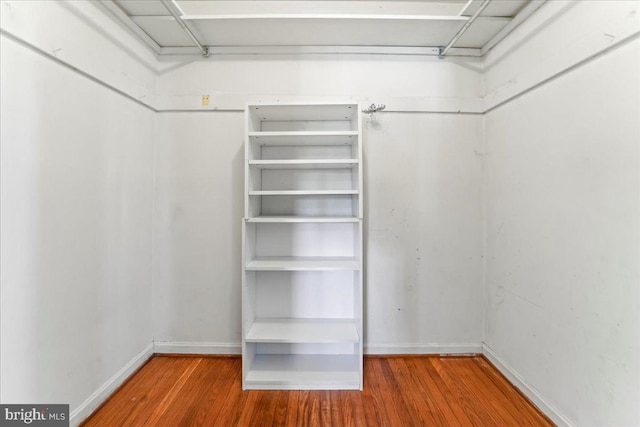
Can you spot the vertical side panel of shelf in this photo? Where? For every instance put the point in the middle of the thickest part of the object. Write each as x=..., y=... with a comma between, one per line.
x=361, y=271
x=243, y=299
x=248, y=349
x=248, y=297
x=247, y=119
x=359, y=212
x=248, y=356
x=360, y=168
x=359, y=297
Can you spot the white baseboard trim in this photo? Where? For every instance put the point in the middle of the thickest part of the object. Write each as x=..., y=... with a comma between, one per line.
x=92, y=402
x=169, y=347
x=164, y=347
x=535, y=396
x=421, y=348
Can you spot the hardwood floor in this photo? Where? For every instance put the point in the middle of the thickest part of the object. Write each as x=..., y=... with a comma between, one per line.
x=398, y=391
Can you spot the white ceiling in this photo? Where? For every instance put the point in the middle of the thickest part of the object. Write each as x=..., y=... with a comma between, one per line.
x=249, y=26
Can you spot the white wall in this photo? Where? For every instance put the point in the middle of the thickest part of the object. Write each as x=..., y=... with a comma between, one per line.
x=561, y=201
x=562, y=305
x=76, y=203
x=423, y=228
x=423, y=232
x=198, y=211
x=403, y=83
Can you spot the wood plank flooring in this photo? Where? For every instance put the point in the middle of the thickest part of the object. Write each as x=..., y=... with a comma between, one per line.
x=398, y=391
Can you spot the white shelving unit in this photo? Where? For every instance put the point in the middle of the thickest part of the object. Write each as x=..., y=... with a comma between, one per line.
x=302, y=247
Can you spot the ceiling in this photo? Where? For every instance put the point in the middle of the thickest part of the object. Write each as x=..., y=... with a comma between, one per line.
x=441, y=28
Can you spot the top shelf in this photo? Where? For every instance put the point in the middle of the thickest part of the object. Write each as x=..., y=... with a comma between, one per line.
x=303, y=117
x=286, y=138
x=304, y=112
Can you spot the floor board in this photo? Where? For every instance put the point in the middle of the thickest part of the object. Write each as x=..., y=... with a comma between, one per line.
x=398, y=391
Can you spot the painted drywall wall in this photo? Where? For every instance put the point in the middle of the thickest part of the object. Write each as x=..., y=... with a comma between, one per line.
x=562, y=247
x=423, y=231
x=198, y=146
x=76, y=203
x=85, y=36
x=423, y=244
x=198, y=210
x=557, y=38
x=402, y=83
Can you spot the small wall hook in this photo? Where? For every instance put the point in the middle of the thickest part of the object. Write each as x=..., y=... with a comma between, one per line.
x=374, y=108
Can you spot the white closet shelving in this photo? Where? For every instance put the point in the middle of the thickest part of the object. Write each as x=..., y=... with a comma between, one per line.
x=302, y=247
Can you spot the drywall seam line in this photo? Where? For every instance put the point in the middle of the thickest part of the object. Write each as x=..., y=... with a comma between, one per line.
x=566, y=71
x=52, y=57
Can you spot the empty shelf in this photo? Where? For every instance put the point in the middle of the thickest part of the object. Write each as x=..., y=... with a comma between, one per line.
x=304, y=138
x=295, y=112
x=303, y=219
x=308, y=371
x=268, y=330
x=304, y=164
x=302, y=264
x=301, y=192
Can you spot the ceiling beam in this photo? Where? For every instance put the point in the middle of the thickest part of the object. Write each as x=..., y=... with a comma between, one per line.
x=526, y=11
x=464, y=28
x=175, y=11
x=322, y=50
x=113, y=7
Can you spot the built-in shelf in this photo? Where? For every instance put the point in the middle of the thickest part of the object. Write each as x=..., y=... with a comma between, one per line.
x=303, y=138
x=303, y=219
x=309, y=371
x=302, y=331
x=302, y=264
x=302, y=281
x=304, y=164
x=302, y=192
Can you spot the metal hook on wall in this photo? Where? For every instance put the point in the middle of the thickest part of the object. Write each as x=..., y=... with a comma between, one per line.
x=373, y=108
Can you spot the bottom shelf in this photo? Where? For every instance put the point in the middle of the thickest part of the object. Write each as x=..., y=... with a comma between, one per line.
x=303, y=372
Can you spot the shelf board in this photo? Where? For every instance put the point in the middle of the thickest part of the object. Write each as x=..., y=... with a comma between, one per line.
x=304, y=164
x=304, y=112
x=303, y=219
x=302, y=192
x=302, y=264
x=304, y=138
x=303, y=371
x=278, y=330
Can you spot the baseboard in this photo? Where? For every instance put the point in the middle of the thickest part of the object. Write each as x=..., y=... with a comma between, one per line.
x=535, y=396
x=99, y=396
x=420, y=348
x=169, y=347
x=196, y=347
